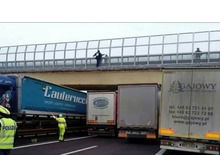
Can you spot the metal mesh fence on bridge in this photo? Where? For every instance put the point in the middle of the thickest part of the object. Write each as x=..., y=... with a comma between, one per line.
x=169, y=50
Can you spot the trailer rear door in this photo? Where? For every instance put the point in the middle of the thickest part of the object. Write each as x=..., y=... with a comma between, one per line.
x=101, y=108
x=174, y=113
x=190, y=104
x=137, y=107
x=205, y=105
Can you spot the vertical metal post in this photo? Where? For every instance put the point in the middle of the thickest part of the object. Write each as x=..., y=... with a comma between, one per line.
x=74, y=63
x=45, y=45
x=98, y=44
x=16, y=52
x=110, y=53
x=34, y=59
x=148, y=52
x=25, y=55
x=177, y=49
x=54, y=54
x=87, y=45
x=209, y=41
x=7, y=57
x=135, y=51
x=193, y=41
x=122, y=51
x=64, y=50
x=162, y=50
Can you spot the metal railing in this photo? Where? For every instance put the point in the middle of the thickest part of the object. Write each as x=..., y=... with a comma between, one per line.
x=144, y=51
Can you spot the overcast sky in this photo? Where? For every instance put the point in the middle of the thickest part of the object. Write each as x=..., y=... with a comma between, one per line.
x=23, y=21
x=35, y=33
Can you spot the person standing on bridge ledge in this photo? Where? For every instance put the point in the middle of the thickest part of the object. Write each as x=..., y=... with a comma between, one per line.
x=198, y=54
x=62, y=126
x=98, y=56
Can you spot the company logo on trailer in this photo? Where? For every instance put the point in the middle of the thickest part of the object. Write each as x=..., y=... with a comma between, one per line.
x=100, y=102
x=178, y=87
x=50, y=93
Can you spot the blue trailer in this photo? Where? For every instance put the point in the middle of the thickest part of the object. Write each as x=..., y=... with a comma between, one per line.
x=26, y=95
x=29, y=97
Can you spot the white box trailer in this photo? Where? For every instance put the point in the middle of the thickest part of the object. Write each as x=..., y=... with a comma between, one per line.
x=190, y=111
x=138, y=111
x=101, y=113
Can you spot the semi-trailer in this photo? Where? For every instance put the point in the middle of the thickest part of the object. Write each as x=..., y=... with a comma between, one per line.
x=32, y=101
x=138, y=111
x=190, y=110
x=101, y=113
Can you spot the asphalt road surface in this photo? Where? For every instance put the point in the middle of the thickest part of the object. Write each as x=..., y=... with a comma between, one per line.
x=88, y=145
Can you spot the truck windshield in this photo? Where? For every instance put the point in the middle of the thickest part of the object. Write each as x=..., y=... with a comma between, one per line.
x=8, y=92
x=5, y=96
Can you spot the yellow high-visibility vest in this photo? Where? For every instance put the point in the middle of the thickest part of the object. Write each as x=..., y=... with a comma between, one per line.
x=7, y=133
x=61, y=122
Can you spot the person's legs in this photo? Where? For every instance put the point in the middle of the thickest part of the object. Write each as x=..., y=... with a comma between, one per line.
x=2, y=152
x=98, y=62
x=5, y=152
x=61, y=134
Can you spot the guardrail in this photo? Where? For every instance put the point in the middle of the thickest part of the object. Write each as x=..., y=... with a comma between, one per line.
x=145, y=51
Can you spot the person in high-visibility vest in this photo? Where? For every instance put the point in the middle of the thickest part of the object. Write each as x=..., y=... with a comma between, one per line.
x=7, y=131
x=62, y=126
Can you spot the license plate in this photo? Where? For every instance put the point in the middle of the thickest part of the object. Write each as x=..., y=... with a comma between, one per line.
x=132, y=132
x=101, y=130
x=188, y=145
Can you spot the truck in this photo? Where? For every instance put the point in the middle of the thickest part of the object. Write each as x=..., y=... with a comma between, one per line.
x=189, y=110
x=32, y=101
x=138, y=111
x=101, y=113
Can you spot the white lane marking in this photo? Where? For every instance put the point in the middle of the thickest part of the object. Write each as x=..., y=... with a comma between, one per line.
x=69, y=139
x=161, y=152
x=80, y=150
x=45, y=143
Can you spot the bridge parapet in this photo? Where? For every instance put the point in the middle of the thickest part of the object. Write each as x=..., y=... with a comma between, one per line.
x=156, y=51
